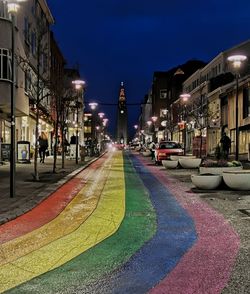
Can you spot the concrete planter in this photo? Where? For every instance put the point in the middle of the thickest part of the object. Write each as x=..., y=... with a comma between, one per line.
x=237, y=180
x=206, y=182
x=218, y=170
x=190, y=162
x=177, y=157
x=170, y=163
x=146, y=153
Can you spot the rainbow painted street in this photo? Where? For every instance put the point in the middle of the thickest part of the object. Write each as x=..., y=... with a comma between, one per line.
x=121, y=225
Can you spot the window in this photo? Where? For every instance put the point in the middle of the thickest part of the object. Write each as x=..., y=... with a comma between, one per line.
x=34, y=7
x=169, y=145
x=4, y=11
x=5, y=64
x=26, y=30
x=163, y=94
x=246, y=102
x=27, y=85
x=33, y=43
x=44, y=62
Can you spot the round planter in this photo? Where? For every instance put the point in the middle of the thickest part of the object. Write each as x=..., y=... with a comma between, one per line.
x=237, y=180
x=170, y=163
x=177, y=157
x=206, y=182
x=146, y=153
x=190, y=162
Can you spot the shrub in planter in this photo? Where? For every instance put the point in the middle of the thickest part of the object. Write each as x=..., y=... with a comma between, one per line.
x=220, y=163
x=218, y=166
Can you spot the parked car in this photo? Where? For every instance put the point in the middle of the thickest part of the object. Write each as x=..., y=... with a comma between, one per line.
x=118, y=146
x=167, y=148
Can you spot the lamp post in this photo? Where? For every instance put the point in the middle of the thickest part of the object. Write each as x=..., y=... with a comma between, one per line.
x=154, y=119
x=149, y=123
x=101, y=115
x=13, y=7
x=164, y=122
x=78, y=86
x=236, y=61
x=93, y=106
x=185, y=98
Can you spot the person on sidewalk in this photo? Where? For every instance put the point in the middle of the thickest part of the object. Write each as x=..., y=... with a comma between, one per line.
x=152, y=150
x=43, y=145
x=225, y=145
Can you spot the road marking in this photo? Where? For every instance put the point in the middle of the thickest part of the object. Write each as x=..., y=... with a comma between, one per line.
x=102, y=223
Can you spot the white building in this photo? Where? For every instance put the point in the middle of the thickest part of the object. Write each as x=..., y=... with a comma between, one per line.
x=32, y=43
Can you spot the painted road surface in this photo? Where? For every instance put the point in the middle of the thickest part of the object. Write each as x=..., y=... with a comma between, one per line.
x=124, y=227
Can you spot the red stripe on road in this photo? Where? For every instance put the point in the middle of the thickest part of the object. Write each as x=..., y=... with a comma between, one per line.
x=48, y=209
x=207, y=266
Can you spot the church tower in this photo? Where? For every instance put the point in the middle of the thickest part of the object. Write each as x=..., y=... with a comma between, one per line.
x=122, y=118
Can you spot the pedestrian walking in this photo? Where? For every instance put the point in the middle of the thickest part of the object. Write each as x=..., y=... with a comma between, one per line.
x=43, y=145
x=225, y=145
x=152, y=149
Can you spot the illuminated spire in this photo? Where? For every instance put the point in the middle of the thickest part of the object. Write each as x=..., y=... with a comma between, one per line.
x=122, y=93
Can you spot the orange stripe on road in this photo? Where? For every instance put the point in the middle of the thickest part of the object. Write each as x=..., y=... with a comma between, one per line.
x=47, y=210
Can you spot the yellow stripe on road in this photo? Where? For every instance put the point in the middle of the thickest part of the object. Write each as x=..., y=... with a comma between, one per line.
x=103, y=222
x=74, y=214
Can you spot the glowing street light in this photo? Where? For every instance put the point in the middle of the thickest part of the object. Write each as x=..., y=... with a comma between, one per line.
x=236, y=61
x=93, y=105
x=101, y=114
x=78, y=84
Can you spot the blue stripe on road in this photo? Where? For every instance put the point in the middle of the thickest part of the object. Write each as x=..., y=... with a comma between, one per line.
x=175, y=235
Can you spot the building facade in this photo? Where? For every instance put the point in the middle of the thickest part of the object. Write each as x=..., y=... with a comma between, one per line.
x=31, y=42
x=212, y=102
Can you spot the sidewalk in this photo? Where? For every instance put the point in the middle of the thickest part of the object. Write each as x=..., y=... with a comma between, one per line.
x=29, y=192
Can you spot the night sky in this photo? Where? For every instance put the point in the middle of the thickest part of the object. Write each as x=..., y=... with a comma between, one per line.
x=127, y=40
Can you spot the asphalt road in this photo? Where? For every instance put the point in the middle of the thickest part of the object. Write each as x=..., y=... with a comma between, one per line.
x=124, y=225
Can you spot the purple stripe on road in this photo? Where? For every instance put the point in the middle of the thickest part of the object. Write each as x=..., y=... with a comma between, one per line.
x=207, y=266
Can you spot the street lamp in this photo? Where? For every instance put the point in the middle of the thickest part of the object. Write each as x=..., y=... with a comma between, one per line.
x=101, y=114
x=236, y=61
x=154, y=119
x=185, y=98
x=105, y=121
x=13, y=7
x=93, y=106
x=78, y=86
